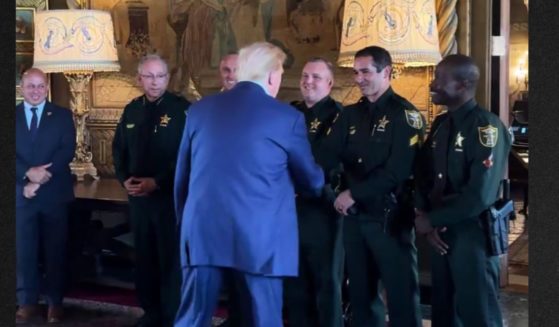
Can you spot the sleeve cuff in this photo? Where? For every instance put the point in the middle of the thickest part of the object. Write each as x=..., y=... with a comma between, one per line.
x=359, y=192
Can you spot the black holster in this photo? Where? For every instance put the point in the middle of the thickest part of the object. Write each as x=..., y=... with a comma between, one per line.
x=495, y=222
x=398, y=216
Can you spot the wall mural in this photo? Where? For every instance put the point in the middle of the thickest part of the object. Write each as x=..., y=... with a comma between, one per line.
x=192, y=35
x=218, y=27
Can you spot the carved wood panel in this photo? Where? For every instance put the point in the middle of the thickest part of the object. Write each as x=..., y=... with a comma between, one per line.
x=101, y=147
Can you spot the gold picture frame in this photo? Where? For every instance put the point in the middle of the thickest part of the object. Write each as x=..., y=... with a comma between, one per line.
x=25, y=33
x=24, y=28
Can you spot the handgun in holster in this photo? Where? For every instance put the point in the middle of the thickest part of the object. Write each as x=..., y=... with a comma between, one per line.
x=399, y=211
x=336, y=185
x=495, y=221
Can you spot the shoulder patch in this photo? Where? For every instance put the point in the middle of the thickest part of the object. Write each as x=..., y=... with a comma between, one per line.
x=414, y=119
x=488, y=136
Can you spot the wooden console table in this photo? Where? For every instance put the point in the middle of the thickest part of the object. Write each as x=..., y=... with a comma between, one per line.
x=88, y=239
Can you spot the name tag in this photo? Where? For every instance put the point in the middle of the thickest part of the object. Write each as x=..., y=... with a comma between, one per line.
x=130, y=125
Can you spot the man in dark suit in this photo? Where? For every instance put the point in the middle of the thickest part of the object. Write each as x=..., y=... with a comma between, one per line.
x=145, y=147
x=241, y=157
x=45, y=145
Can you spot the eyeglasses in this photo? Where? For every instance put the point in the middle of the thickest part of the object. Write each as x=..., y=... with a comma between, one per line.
x=150, y=77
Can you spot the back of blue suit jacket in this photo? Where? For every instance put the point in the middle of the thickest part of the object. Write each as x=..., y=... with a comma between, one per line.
x=54, y=143
x=241, y=155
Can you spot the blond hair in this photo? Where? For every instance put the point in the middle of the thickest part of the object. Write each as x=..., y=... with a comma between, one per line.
x=257, y=60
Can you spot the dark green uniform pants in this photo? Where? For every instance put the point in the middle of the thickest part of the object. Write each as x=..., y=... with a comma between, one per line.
x=314, y=297
x=157, y=275
x=466, y=280
x=373, y=256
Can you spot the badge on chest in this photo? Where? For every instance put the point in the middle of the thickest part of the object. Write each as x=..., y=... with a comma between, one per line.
x=164, y=120
x=313, y=128
x=458, y=142
x=382, y=124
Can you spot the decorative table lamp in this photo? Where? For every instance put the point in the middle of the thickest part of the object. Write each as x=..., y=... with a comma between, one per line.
x=77, y=43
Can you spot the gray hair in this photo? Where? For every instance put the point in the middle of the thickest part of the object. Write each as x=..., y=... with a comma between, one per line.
x=152, y=57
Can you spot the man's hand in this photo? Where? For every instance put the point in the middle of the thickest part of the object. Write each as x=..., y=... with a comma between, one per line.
x=422, y=223
x=30, y=190
x=343, y=202
x=434, y=238
x=39, y=174
x=140, y=186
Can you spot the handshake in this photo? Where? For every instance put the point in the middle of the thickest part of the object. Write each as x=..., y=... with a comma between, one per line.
x=331, y=190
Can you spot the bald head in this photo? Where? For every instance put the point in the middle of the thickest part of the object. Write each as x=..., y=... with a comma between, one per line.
x=33, y=72
x=455, y=81
x=462, y=69
x=34, y=86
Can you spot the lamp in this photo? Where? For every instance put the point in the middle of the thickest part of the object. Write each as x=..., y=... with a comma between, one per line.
x=77, y=43
x=522, y=78
x=406, y=28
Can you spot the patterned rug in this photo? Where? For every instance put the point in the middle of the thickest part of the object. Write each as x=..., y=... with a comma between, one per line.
x=85, y=313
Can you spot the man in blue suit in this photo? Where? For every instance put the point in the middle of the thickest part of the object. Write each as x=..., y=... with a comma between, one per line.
x=241, y=157
x=45, y=144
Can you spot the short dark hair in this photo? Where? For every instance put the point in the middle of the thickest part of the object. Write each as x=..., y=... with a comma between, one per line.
x=463, y=68
x=380, y=56
x=325, y=61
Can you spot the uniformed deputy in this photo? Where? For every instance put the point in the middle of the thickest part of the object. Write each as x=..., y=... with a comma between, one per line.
x=463, y=160
x=145, y=149
x=313, y=298
x=380, y=135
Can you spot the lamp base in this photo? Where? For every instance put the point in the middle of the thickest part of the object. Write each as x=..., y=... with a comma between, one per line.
x=80, y=169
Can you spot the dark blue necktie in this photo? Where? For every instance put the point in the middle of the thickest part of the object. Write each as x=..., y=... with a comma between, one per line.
x=34, y=123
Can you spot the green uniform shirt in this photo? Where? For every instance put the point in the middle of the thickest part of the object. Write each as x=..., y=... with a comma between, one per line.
x=477, y=154
x=319, y=120
x=379, y=142
x=147, y=139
